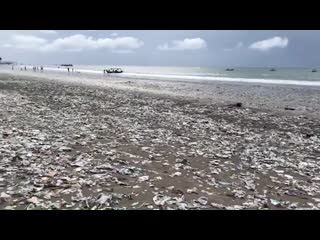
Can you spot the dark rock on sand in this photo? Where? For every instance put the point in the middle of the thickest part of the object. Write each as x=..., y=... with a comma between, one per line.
x=236, y=105
x=289, y=108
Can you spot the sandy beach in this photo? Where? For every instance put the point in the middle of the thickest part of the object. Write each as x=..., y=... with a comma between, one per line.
x=76, y=141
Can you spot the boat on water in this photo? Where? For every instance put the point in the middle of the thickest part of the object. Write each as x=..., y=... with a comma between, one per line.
x=272, y=70
x=113, y=70
x=314, y=70
x=66, y=65
x=229, y=69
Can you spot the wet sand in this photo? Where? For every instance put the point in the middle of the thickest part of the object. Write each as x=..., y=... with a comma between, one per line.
x=99, y=142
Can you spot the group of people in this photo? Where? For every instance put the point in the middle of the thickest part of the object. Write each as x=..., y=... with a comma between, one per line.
x=21, y=68
x=72, y=69
x=35, y=68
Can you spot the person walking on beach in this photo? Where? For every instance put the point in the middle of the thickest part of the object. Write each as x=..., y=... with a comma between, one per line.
x=12, y=67
x=41, y=68
x=68, y=70
x=25, y=68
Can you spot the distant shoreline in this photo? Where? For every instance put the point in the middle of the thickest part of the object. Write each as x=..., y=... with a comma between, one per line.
x=233, y=77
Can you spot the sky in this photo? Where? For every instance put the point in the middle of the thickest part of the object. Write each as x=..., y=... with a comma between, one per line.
x=238, y=48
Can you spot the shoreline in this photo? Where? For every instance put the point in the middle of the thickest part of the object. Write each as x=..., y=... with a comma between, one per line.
x=305, y=100
x=196, y=78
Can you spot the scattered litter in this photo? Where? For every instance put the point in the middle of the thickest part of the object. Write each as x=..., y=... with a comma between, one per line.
x=143, y=178
x=72, y=146
x=176, y=174
x=192, y=190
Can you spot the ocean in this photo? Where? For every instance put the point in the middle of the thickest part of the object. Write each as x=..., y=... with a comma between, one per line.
x=296, y=76
x=292, y=76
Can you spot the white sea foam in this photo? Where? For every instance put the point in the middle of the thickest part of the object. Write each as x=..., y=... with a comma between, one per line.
x=226, y=79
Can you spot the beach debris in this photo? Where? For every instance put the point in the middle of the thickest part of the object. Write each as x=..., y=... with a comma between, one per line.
x=160, y=200
x=239, y=193
x=65, y=149
x=192, y=190
x=202, y=200
x=177, y=191
x=217, y=206
x=34, y=200
x=236, y=105
x=71, y=145
x=176, y=174
x=4, y=197
x=103, y=199
x=289, y=108
x=275, y=202
x=143, y=178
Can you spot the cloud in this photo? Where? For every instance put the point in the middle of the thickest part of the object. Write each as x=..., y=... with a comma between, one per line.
x=74, y=43
x=7, y=45
x=267, y=44
x=80, y=42
x=48, y=31
x=123, y=51
x=25, y=42
x=239, y=45
x=114, y=34
x=186, y=44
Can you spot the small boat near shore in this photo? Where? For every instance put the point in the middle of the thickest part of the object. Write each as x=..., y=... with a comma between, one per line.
x=314, y=70
x=113, y=70
x=272, y=70
x=229, y=69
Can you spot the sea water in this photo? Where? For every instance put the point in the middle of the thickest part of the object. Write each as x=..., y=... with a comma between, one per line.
x=296, y=76
x=292, y=76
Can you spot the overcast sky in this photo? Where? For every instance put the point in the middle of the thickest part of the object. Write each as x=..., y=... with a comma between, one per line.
x=154, y=47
